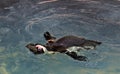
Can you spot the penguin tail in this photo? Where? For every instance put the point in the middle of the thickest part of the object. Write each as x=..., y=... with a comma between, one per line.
x=95, y=42
x=91, y=44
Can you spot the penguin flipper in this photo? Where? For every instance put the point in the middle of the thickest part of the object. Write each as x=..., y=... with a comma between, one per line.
x=81, y=58
x=76, y=57
x=48, y=36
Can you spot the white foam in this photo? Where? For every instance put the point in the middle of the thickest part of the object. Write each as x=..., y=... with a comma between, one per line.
x=47, y=1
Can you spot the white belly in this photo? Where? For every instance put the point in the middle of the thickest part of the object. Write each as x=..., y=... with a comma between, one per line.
x=76, y=48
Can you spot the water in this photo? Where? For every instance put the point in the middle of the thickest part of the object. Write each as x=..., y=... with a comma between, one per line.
x=24, y=21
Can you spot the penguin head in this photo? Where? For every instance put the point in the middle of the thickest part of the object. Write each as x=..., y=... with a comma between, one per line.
x=36, y=48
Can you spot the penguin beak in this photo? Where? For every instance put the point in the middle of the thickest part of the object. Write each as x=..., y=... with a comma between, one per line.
x=36, y=49
x=31, y=47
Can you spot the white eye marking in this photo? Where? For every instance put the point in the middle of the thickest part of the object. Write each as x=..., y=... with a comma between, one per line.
x=44, y=49
x=41, y=47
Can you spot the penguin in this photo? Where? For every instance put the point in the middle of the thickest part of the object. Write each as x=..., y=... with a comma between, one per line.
x=63, y=45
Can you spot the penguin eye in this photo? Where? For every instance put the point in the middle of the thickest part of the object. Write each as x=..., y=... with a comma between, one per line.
x=40, y=49
x=36, y=47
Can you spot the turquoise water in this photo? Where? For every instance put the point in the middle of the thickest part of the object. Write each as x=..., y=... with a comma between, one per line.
x=24, y=21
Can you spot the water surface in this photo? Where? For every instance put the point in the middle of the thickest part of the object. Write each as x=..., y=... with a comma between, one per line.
x=24, y=21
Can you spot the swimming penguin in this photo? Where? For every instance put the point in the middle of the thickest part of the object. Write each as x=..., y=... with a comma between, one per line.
x=62, y=45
